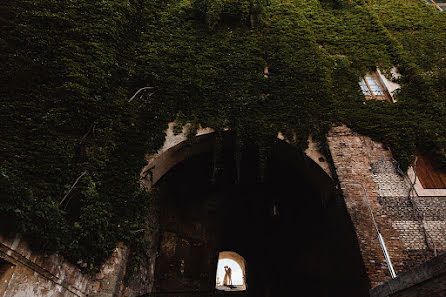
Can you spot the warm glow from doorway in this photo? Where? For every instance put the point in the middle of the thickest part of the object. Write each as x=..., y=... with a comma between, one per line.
x=237, y=274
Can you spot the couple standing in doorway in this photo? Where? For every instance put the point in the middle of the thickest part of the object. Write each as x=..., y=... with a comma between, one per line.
x=227, y=280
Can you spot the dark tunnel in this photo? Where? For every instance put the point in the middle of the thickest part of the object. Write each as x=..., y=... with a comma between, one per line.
x=291, y=226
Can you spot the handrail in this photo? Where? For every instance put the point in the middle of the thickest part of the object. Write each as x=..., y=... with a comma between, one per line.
x=380, y=238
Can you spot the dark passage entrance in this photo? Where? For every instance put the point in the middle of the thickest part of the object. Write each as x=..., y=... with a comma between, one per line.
x=291, y=227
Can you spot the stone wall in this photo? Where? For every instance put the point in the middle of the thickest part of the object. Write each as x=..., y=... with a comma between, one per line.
x=186, y=249
x=425, y=280
x=39, y=275
x=32, y=274
x=141, y=282
x=413, y=228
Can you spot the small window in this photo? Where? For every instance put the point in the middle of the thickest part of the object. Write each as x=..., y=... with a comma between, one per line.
x=372, y=87
x=266, y=72
x=439, y=4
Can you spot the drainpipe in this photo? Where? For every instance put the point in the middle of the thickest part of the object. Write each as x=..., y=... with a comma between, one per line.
x=380, y=238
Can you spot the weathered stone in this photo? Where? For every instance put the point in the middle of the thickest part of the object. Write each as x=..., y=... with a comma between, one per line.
x=425, y=280
x=412, y=227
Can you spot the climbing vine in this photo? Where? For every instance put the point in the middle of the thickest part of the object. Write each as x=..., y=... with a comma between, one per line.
x=73, y=143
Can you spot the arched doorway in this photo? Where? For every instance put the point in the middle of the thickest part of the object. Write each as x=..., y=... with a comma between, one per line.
x=291, y=227
x=237, y=264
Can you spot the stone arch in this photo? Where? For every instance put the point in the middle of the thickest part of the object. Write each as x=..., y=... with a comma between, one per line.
x=176, y=149
x=230, y=255
x=259, y=219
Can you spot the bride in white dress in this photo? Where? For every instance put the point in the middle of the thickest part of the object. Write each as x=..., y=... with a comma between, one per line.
x=227, y=280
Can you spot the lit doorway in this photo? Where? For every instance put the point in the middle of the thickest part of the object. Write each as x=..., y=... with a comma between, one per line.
x=231, y=272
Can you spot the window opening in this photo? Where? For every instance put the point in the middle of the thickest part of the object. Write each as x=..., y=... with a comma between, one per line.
x=372, y=87
x=230, y=274
x=439, y=4
x=365, y=88
x=266, y=72
x=430, y=175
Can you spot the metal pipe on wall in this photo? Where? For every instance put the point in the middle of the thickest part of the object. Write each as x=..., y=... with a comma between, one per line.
x=380, y=238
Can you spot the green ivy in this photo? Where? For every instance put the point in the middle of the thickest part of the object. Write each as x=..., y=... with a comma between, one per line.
x=73, y=143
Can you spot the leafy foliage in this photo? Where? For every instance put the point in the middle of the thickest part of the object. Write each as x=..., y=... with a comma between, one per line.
x=70, y=67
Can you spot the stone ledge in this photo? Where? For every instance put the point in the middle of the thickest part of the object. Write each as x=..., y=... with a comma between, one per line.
x=421, y=281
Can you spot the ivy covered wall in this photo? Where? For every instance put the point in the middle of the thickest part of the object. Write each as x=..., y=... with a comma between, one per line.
x=73, y=143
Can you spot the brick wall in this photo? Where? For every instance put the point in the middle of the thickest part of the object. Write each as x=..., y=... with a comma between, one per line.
x=411, y=226
x=425, y=280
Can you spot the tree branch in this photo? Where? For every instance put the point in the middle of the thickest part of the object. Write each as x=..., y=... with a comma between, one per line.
x=91, y=129
x=77, y=180
x=140, y=90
